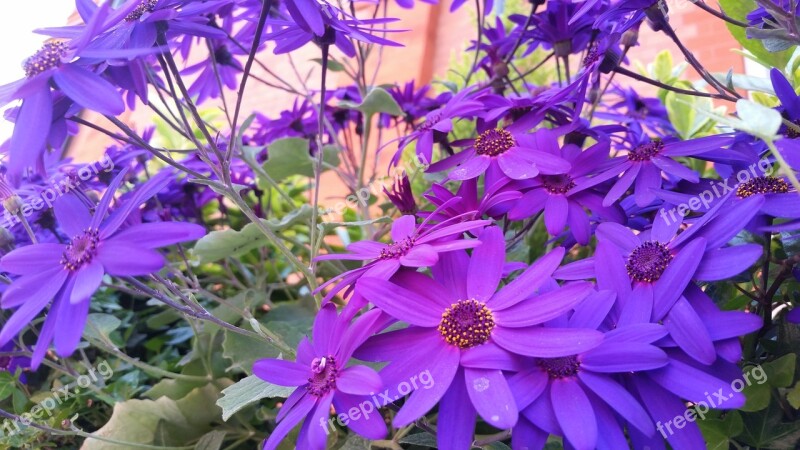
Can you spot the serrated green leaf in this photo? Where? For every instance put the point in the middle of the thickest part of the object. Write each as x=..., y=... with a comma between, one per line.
x=423, y=439
x=290, y=156
x=217, y=245
x=100, y=326
x=248, y=391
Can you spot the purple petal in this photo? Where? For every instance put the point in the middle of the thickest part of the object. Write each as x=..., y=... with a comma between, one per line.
x=421, y=255
x=543, y=307
x=486, y=265
x=676, y=277
x=32, y=259
x=618, y=398
x=528, y=385
x=491, y=356
x=122, y=259
x=689, y=332
x=649, y=179
x=623, y=357
x=72, y=215
x=675, y=168
x=456, y=423
x=622, y=185
x=528, y=282
x=546, y=342
x=491, y=397
x=638, y=306
x=22, y=317
x=619, y=235
x=578, y=421
x=516, y=166
x=592, y=312
x=89, y=90
x=727, y=262
x=298, y=412
x=442, y=370
x=530, y=203
x=280, y=372
x=87, y=280
x=31, y=129
x=359, y=380
x=160, y=234
x=67, y=337
x=403, y=228
x=556, y=209
x=694, y=385
x=413, y=309
x=471, y=168
x=579, y=223
x=448, y=271
x=44, y=284
x=369, y=426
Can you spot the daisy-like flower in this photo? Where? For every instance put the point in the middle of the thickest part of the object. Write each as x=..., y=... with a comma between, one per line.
x=438, y=123
x=494, y=201
x=467, y=333
x=515, y=154
x=412, y=246
x=651, y=270
x=70, y=273
x=323, y=377
x=648, y=159
x=579, y=395
x=563, y=197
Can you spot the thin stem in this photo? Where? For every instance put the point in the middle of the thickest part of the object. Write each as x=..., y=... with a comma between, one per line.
x=477, y=43
x=320, y=155
x=702, y=5
x=636, y=76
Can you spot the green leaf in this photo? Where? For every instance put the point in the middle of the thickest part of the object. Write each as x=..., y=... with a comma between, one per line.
x=376, y=101
x=290, y=156
x=758, y=120
x=662, y=66
x=423, y=439
x=780, y=372
x=764, y=429
x=211, y=441
x=739, y=9
x=355, y=442
x=794, y=396
x=7, y=385
x=333, y=65
x=246, y=392
x=719, y=432
x=758, y=397
x=217, y=245
x=100, y=326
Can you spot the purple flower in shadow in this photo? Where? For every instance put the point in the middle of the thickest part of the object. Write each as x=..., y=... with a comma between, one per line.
x=323, y=378
x=70, y=273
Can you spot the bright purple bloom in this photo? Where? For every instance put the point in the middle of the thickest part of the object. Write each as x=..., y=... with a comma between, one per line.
x=494, y=201
x=70, y=273
x=580, y=396
x=467, y=333
x=515, y=154
x=563, y=197
x=438, y=123
x=323, y=377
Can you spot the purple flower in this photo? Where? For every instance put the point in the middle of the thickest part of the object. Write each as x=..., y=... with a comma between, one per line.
x=650, y=271
x=324, y=24
x=55, y=64
x=466, y=333
x=647, y=159
x=562, y=197
x=72, y=272
x=402, y=196
x=438, y=123
x=495, y=201
x=580, y=396
x=412, y=246
x=517, y=155
x=323, y=378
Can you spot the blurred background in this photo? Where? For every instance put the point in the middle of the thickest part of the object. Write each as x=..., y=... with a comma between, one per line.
x=435, y=44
